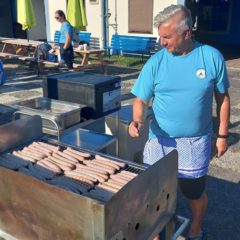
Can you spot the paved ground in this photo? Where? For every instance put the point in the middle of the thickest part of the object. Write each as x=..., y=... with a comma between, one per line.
x=222, y=221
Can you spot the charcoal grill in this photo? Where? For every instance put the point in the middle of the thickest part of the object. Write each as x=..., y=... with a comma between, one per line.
x=33, y=209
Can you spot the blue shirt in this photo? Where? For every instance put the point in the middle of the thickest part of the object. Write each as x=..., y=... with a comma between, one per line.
x=65, y=28
x=182, y=89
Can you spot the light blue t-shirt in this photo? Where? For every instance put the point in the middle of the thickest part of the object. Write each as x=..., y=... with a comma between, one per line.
x=65, y=28
x=182, y=89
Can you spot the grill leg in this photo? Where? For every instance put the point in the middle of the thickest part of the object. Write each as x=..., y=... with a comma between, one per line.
x=169, y=229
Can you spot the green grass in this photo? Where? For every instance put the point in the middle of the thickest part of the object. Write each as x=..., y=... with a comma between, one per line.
x=134, y=62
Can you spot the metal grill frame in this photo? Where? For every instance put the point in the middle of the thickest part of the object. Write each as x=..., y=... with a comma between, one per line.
x=32, y=209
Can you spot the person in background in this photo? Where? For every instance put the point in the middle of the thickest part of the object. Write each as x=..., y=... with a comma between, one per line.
x=66, y=48
x=2, y=74
x=181, y=80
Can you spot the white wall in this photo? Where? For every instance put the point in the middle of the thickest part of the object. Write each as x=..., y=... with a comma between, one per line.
x=51, y=6
x=95, y=19
x=94, y=16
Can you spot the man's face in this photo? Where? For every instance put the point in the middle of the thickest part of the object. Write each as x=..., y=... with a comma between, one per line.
x=171, y=39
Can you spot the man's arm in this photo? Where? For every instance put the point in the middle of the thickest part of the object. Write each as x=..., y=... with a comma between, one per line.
x=223, y=113
x=138, y=117
x=68, y=41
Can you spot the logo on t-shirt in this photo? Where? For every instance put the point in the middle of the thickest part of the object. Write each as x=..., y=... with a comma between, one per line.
x=201, y=73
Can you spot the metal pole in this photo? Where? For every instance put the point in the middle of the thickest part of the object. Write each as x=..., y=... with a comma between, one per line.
x=116, y=24
x=117, y=133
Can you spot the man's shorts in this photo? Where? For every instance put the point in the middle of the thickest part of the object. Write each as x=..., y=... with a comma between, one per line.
x=194, y=153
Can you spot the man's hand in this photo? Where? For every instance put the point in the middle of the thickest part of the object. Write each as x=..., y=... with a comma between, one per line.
x=135, y=128
x=221, y=146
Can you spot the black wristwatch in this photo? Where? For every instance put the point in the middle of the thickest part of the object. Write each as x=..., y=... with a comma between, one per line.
x=222, y=136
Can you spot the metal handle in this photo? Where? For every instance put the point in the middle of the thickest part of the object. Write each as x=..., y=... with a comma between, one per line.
x=182, y=227
x=45, y=118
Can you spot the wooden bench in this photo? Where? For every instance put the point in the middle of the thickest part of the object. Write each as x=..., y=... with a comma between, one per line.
x=132, y=45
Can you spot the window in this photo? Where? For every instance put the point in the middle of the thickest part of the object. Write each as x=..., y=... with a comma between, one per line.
x=140, y=14
x=94, y=1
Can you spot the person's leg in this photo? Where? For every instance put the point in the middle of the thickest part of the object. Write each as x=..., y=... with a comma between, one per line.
x=198, y=208
x=193, y=190
x=68, y=57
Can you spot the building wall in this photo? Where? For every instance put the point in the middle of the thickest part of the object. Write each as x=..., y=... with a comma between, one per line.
x=94, y=16
x=51, y=6
x=95, y=23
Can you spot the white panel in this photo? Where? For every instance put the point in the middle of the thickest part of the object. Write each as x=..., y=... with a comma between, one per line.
x=51, y=6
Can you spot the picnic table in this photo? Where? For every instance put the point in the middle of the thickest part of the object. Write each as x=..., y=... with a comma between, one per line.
x=20, y=44
x=28, y=46
x=89, y=53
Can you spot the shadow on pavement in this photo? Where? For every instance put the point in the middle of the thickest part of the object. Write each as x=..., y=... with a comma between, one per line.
x=223, y=214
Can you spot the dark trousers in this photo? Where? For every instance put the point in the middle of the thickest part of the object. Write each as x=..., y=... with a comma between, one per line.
x=67, y=55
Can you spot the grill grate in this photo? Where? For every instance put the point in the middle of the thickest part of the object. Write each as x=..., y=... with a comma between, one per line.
x=133, y=169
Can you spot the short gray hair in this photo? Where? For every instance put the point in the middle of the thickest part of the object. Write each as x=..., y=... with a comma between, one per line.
x=168, y=12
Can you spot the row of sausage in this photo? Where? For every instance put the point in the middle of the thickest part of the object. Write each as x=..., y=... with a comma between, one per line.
x=80, y=172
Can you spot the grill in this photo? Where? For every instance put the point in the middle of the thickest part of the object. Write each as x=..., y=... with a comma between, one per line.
x=39, y=209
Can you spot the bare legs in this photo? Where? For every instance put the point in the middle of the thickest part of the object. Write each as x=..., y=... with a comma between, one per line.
x=198, y=208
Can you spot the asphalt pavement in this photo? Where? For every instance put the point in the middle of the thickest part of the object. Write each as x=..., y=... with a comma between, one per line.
x=222, y=221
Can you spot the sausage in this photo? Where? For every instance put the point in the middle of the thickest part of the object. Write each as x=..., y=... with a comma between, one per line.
x=120, y=164
x=95, y=169
x=81, y=179
x=21, y=155
x=103, y=174
x=112, y=184
x=61, y=163
x=83, y=154
x=127, y=173
x=110, y=164
x=98, y=165
x=78, y=157
x=66, y=156
x=61, y=166
x=90, y=173
x=56, y=155
x=50, y=165
x=118, y=178
x=48, y=146
x=109, y=188
x=40, y=149
x=86, y=176
x=34, y=153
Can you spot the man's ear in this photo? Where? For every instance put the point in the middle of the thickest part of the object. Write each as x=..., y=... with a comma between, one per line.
x=188, y=34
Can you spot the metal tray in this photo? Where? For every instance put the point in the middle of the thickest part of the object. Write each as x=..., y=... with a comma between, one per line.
x=87, y=139
x=65, y=114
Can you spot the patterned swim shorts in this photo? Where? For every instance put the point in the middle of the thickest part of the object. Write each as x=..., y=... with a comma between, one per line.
x=194, y=153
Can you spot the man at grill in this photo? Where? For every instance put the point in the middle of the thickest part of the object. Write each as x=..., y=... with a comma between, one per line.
x=181, y=80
